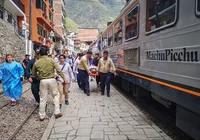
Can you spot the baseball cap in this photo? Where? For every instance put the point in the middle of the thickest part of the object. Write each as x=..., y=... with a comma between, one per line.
x=27, y=55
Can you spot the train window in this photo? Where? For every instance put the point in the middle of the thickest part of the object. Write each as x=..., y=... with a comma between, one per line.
x=131, y=23
x=160, y=14
x=118, y=32
x=104, y=41
x=198, y=7
x=110, y=37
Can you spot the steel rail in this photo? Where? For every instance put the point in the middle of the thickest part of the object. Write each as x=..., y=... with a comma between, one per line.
x=9, y=102
x=22, y=124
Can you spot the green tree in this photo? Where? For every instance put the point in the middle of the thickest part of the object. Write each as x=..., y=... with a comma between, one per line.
x=70, y=25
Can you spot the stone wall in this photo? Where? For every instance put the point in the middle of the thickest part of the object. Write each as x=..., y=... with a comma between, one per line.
x=10, y=42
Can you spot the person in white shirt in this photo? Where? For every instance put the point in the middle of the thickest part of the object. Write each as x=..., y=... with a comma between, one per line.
x=76, y=70
x=66, y=69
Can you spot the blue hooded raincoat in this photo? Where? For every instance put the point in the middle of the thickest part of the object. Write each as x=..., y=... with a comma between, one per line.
x=10, y=74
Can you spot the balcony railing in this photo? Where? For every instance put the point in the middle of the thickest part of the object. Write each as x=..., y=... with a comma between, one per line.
x=10, y=19
x=19, y=4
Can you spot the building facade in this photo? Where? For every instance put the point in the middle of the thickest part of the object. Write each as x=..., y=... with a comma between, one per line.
x=59, y=28
x=12, y=35
x=42, y=21
x=59, y=16
x=85, y=38
x=12, y=11
x=87, y=35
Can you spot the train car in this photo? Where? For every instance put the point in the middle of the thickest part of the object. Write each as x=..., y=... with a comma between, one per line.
x=96, y=46
x=155, y=45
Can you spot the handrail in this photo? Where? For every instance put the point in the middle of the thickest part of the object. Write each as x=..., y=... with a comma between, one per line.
x=12, y=21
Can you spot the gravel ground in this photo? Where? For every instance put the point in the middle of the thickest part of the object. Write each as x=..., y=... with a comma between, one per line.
x=12, y=117
x=4, y=100
x=34, y=128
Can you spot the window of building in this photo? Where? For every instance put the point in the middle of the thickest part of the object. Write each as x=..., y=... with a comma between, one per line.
x=38, y=3
x=198, y=7
x=39, y=30
x=105, y=41
x=45, y=34
x=43, y=7
x=1, y=13
x=131, y=24
x=9, y=18
x=160, y=14
x=110, y=37
x=118, y=32
x=50, y=16
x=41, y=4
x=51, y=3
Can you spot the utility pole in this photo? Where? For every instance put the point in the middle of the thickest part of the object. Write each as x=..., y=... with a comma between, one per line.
x=30, y=20
x=30, y=27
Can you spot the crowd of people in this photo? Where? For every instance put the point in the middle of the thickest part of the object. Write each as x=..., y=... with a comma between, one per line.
x=54, y=74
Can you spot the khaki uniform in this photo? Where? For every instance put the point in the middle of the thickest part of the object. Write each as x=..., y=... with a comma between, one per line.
x=44, y=68
x=105, y=67
x=83, y=73
x=84, y=64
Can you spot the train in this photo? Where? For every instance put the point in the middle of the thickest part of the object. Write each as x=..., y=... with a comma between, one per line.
x=155, y=46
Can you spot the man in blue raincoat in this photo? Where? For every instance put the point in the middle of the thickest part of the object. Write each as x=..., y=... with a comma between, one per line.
x=10, y=75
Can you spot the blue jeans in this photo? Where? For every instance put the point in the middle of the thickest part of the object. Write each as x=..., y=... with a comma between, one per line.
x=79, y=79
x=105, y=82
x=84, y=78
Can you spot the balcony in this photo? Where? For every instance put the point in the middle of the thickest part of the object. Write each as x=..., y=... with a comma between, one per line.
x=11, y=20
x=19, y=4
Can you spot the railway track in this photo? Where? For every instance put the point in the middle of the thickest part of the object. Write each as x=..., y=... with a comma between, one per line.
x=22, y=124
x=8, y=102
x=13, y=118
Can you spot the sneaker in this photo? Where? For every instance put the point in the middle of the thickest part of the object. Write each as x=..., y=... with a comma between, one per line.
x=108, y=95
x=13, y=103
x=88, y=94
x=58, y=115
x=67, y=102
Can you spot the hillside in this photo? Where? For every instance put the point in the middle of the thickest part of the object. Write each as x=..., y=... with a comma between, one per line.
x=93, y=13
